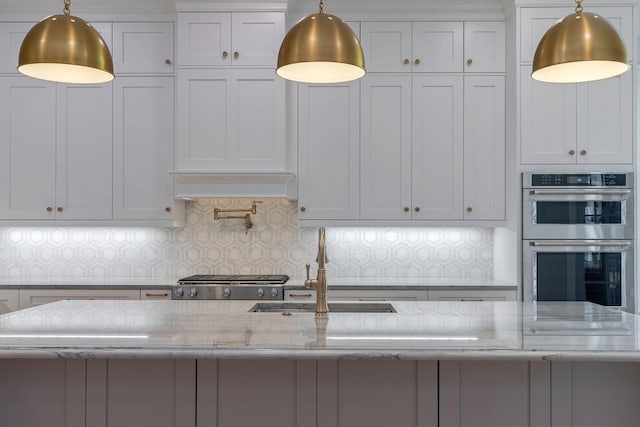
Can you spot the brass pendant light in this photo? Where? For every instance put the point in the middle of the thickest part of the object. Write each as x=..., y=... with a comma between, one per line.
x=65, y=48
x=580, y=47
x=320, y=48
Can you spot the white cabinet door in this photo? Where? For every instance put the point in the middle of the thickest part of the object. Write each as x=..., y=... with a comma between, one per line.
x=484, y=47
x=84, y=152
x=605, y=115
x=437, y=47
x=231, y=120
x=143, y=47
x=484, y=148
x=27, y=148
x=386, y=46
x=230, y=39
x=11, y=37
x=471, y=295
x=547, y=121
x=329, y=140
x=143, y=147
x=385, y=147
x=437, y=124
x=33, y=297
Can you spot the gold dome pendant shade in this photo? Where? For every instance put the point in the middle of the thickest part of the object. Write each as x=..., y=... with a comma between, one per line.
x=66, y=49
x=580, y=47
x=320, y=48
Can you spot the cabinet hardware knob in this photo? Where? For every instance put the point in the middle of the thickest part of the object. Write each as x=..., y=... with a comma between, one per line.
x=225, y=54
x=167, y=61
x=59, y=209
x=235, y=55
x=572, y=152
x=417, y=62
x=406, y=61
x=583, y=152
x=469, y=61
x=167, y=209
x=469, y=209
x=49, y=208
x=406, y=209
x=417, y=209
x=302, y=209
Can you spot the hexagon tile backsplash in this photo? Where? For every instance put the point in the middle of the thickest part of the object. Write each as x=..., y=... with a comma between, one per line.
x=275, y=245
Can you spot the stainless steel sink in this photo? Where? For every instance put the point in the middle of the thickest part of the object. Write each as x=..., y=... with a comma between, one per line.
x=336, y=307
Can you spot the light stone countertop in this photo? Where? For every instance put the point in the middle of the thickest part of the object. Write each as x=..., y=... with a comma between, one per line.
x=225, y=329
x=334, y=283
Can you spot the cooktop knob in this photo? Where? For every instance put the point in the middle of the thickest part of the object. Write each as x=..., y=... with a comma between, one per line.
x=193, y=292
x=260, y=293
x=274, y=293
x=178, y=292
x=226, y=293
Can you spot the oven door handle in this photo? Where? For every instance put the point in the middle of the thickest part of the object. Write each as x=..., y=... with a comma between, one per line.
x=557, y=243
x=580, y=193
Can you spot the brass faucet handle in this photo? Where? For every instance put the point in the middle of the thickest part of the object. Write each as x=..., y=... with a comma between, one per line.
x=254, y=207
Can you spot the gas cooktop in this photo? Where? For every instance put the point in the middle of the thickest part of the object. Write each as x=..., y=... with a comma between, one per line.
x=231, y=286
x=232, y=279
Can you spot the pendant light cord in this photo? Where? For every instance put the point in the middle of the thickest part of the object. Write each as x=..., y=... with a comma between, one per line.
x=578, y=6
x=67, y=7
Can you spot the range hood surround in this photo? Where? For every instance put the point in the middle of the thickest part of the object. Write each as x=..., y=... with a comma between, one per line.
x=195, y=184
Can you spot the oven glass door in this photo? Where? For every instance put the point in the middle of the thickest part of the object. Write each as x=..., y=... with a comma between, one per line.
x=576, y=214
x=599, y=272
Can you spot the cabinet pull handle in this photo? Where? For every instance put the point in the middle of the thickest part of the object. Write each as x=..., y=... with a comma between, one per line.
x=406, y=61
x=471, y=299
x=300, y=295
x=417, y=209
x=167, y=209
x=49, y=208
x=583, y=152
x=225, y=54
x=167, y=61
x=235, y=55
x=469, y=61
x=162, y=295
x=59, y=209
x=302, y=209
x=417, y=62
x=469, y=209
x=572, y=152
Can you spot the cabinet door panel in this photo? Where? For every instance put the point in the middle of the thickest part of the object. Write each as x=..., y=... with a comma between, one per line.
x=11, y=37
x=84, y=167
x=484, y=46
x=548, y=121
x=143, y=47
x=438, y=46
x=437, y=147
x=27, y=148
x=203, y=38
x=143, y=147
x=484, y=148
x=256, y=37
x=386, y=45
x=385, y=147
x=329, y=139
x=605, y=111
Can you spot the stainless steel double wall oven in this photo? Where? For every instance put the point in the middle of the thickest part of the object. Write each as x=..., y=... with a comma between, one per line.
x=578, y=234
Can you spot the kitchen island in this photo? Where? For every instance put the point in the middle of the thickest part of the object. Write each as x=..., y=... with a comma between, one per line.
x=215, y=363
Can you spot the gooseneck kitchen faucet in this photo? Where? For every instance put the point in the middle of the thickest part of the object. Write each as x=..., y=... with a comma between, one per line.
x=320, y=282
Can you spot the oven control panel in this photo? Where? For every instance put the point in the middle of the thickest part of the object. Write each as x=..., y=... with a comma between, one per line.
x=578, y=180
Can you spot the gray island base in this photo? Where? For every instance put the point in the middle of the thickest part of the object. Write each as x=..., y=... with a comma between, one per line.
x=213, y=363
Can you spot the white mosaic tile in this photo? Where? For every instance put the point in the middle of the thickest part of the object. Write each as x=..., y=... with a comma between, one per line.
x=275, y=245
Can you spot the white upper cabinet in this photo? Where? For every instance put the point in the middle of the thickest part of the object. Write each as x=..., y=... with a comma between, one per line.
x=225, y=39
x=56, y=161
x=143, y=48
x=427, y=47
x=230, y=120
x=328, y=151
x=11, y=37
x=143, y=148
